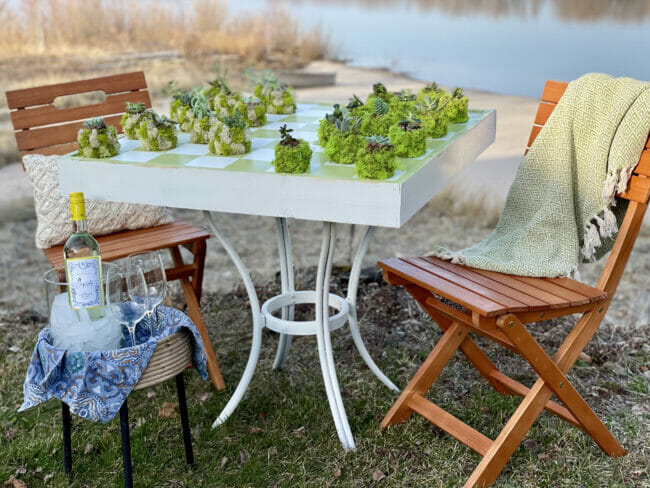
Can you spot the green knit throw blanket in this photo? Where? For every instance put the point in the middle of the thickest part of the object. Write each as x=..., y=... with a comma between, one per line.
x=562, y=208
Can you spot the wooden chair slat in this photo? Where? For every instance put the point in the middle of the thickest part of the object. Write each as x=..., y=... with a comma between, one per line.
x=553, y=91
x=49, y=114
x=574, y=298
x=639, y=189
x=553, y=300
x=121, y=244
x=594, y=294
x=50, y=150
x=491, y=294
x=443, y=287
x=543, y=112
x=643, y=167
x=533, y=303
x=56, y=134
x=42, y=95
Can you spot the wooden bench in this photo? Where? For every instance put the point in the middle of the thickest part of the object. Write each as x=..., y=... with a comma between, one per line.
x=496, y=306
x=42, y=128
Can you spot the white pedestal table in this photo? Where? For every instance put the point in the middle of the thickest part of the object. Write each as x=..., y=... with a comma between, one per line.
x=190, y=177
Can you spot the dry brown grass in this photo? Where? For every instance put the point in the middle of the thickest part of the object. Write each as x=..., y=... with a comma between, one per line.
x=198, y=27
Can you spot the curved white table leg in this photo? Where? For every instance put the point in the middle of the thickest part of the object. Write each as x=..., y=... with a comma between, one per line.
x=257, y=324
x=286, y=277
x=353, y=285
x=325, y=352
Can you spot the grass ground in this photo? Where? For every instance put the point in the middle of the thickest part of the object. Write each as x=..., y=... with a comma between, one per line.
x=282, y=434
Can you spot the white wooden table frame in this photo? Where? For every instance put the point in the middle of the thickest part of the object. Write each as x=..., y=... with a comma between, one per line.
x=331, y=201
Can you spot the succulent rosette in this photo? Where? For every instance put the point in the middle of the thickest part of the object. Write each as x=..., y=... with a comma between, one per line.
x=403, y=103
x=97, y=140
x=434, y=120
x=231, y=137
x=328, y=124
x=379, y=91
x=432, y=90
x=135, y=113
x=291, y=155
x=376, y=160
x=408, y=137
x=157, y=132
x=344, y=142
x=253, y=111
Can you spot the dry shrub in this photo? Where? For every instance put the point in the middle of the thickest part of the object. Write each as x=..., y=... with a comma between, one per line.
x=97, y=27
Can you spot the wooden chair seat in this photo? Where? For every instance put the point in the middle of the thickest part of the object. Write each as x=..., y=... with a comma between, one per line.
x=43, y=128
x=465, y=301
x=491, y=294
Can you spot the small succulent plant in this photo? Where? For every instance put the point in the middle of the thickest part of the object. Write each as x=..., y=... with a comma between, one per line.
x=161, y=120
x=380, y=107
x=135, y=108
x=428, y=104
x=335, y=115
x=379, y=89
x=355, y=102
x=286, y=139
x=406, y=96
x=411, y=122
x=431, y=87
x=378, y=143
x=97, y=123
x=199, y=104
x=235, y=120
x=457, y=93
x=348, y=125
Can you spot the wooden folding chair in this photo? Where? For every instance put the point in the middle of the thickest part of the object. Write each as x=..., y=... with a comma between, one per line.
x=42, y=128
x=496, y=306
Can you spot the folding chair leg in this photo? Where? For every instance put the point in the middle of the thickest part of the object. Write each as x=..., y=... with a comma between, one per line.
x=194, y=312
x=427, y=374
x=560, y=385
x=532, y=405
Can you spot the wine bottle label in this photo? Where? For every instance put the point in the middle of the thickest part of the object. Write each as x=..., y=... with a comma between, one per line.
x=84, y=282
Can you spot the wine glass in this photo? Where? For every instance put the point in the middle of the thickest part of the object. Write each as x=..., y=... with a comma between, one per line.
x=152, y=293
x=119, y=303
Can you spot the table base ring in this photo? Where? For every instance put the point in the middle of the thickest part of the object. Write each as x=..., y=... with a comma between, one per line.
x=308, y=327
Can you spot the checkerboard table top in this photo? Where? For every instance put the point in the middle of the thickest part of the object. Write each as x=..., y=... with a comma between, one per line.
x=304, y=124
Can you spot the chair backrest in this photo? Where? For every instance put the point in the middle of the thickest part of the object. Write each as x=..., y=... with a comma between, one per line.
x=41, y=127
x=638, y=192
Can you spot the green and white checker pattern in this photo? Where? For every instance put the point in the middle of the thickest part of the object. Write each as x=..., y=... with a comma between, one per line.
x=304, y=124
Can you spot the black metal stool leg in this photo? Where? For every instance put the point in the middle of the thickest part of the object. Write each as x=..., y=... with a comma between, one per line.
x=126, y=446
x=185, y=421
x=67, y=439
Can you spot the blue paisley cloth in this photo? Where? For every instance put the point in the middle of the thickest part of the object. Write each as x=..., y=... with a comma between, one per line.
x=95, y=384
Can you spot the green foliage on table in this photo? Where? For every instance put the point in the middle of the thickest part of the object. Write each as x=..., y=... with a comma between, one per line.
x=327, y=125
x=278, y=98
x=376, y=160
x=96, y=140
x=379, y=91
x=345, y=141
x=200, y=133
x=157, y=132
x=226, y=103
x=456, y=108
x=431, y=111
x=253, y=111
x=291, y=155
x=197, y=108
x=218, y=85
x=379, y=120
x=134, y=114
x=180, y=98
x=408, y=137
x=355, y=106
x=403, y=103
x=432, y=90
x=231, y=137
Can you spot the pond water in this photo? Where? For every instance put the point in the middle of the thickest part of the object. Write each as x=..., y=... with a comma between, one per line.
x=504, y=46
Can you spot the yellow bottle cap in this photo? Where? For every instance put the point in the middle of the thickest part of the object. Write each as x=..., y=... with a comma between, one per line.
x=77, y=206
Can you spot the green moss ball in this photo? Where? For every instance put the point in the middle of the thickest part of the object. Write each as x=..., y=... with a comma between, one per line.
x=294, y=160
x=375, y=165
x=408, y=143
x=343, y=148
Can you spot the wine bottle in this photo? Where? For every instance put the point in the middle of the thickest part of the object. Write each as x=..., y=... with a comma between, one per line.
x=83, y=265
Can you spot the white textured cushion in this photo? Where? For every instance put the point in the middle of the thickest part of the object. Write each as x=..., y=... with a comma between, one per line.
x=53, y=210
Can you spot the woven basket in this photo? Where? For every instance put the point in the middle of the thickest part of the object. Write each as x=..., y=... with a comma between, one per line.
x=172, y=355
